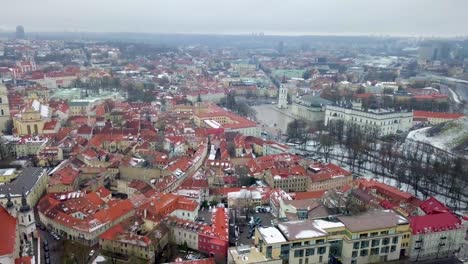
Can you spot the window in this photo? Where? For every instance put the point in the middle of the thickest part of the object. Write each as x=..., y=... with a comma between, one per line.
x=309, y=252
x=374, y=251
x=300, y=261
x=364, y=244
x=2, y=112
x=320, y=241
x=298, y=253
x=395, y=240
x=364, y=252
x=298, y=244
x=363, y=235
x=354, y=254
x=393, y=249
x=385, y=241
x=322, y=250
x=356, y=245
x=306, y=261
x=306, y=243
x=268, y=252
x=384, y=233
x=374, y=234
x=375, y=242
x=384, y=250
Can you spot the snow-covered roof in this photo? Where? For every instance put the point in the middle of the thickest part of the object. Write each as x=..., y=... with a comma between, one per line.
x=271, y=235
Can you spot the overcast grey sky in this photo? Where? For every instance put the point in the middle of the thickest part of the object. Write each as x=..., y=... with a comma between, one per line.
x=289, y=17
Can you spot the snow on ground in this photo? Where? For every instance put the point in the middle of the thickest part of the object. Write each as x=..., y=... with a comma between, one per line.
x=420, y=135
x=447, y=138
x=99, y=259
x=455, y=96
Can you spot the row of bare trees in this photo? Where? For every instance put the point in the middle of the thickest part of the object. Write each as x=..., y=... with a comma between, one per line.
x=421, y=166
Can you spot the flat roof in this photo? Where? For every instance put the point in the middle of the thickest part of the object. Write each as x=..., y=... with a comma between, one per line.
x=271, y=235
x=301, y=229
x=371, y=220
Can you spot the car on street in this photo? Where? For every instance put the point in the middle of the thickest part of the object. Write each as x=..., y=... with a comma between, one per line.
x=91, y=253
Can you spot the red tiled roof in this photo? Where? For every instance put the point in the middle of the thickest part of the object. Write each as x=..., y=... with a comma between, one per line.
x=50, y=125
x=434, y=223
x=64, y=176
x=24, y=260
x=441, y=115
x=8, y=231
x=433, y=206
x=94, y=198
x=385, y=190
x=308, y=195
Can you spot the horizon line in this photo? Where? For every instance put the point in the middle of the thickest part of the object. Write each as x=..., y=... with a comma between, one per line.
x=255, y=34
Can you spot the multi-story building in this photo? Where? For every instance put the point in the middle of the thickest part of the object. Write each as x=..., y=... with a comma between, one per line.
x=434, y=118
x=31, y=119
x=436, y=232
x=292, y=174
x=299, y=242
x=387, y=122
x=309, y=107
x=4, y=108
x=82, y=217
x=32, y=181
x=373, y=237
x=133, y=238
x=213, y=116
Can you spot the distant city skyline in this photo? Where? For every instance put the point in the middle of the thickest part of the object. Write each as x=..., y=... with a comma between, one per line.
x=271, y=17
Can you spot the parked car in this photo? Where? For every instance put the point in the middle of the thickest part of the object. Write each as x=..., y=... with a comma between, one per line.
x=91, y=253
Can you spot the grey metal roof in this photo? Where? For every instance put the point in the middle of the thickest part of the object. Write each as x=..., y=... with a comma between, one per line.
x=26, y=179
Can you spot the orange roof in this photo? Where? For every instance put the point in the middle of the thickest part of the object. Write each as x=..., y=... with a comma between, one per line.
x=308, y=195
x=65, y=176
x=94, y=199
x=385, y=189
x=441, y=115
x=103, y=192
x=8, y=231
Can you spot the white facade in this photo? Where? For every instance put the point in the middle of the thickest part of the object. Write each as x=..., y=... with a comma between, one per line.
x=436, y=244
x=283, y=97
x=387, y=122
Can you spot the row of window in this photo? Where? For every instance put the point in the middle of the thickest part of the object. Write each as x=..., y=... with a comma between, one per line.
x=309, y=252
x=374, y=251
x=374, y=242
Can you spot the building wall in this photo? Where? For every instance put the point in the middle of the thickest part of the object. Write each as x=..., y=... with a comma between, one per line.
x=331, y=183
x=307, y=113
x=181, y=235
x=143, y=252
x=289, y=184
x=301, y=251
x=360, y=250
x=431, y=244
x=4, y=108
x=185, y=215
x=388, y=123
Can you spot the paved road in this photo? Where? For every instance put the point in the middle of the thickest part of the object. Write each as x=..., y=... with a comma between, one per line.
x=55, y=247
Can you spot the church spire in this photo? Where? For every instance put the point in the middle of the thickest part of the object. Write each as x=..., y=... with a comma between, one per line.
x=24, y=203
x=9, y=203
